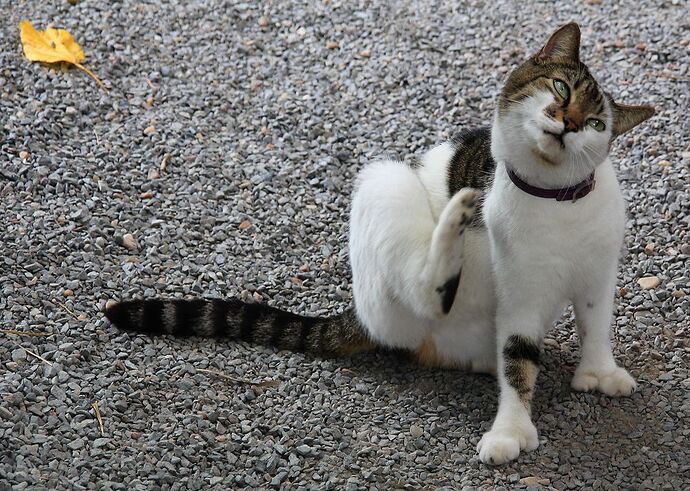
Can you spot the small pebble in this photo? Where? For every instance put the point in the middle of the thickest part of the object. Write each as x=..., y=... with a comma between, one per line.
x=5, y=413
x=416, y=431
x=127, y=241
x=649, y=282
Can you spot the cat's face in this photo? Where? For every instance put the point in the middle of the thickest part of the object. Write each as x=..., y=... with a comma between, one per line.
x=553, y=111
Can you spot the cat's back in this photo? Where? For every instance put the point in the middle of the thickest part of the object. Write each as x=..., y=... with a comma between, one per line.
x=463, y=161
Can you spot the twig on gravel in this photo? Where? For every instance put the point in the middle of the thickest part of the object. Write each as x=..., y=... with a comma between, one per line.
x=67, y=309
x=265, y=383
x=24, y=333
x=670, y=76
x=28, y=351
x=97, y=411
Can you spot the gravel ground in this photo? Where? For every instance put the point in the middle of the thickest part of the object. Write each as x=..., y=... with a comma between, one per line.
x=261, y=117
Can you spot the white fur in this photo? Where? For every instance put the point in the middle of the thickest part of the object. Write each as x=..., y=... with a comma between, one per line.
x=535, y=256
x=400, y=255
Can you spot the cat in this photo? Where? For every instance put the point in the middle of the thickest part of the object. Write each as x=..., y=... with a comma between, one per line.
x=466, y=258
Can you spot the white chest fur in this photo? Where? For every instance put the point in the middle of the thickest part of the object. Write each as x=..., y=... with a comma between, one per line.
x=552, y=249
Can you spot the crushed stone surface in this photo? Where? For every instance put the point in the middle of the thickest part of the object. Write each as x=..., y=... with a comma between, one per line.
x=221, y=163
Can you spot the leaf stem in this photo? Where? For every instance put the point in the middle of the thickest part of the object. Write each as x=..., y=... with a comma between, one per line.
x=92, y=75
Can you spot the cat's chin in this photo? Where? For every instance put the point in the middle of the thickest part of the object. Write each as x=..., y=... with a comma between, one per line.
x=548, y=150
x=545, y=158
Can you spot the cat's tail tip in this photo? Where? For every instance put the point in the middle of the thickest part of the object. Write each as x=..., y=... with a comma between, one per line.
x=123, y=314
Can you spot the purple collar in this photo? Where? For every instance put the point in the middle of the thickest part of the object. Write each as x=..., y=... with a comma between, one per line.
x=574, y=192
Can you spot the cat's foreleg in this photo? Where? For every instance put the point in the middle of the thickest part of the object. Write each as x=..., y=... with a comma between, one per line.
x=597, y=369
x=518, y=358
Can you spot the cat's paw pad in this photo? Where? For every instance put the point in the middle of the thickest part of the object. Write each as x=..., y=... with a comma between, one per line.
x=459, y=211
x=614, y=383
x=499, y=446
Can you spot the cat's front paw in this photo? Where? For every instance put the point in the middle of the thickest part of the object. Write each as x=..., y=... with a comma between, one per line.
x=502, y=445
x=616, y=382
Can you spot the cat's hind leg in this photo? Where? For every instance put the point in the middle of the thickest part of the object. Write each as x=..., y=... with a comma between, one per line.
x=400, y=254
x=443, y=266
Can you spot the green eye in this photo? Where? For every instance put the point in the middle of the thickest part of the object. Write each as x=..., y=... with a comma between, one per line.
x=562, y=88
x=597, y=124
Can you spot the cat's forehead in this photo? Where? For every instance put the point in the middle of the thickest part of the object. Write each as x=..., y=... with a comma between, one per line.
x=576, y=75
x=584, y=88
x=532, y=78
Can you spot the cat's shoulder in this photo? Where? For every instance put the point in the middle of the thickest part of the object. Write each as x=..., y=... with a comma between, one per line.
x=473, y=137
x=471, y=164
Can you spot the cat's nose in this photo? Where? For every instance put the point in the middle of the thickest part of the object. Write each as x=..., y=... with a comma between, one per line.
x=570, y=124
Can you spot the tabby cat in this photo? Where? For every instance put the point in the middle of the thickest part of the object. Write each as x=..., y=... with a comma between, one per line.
x=459, y=289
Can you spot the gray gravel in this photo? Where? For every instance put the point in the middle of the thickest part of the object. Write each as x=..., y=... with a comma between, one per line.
x=263, y=121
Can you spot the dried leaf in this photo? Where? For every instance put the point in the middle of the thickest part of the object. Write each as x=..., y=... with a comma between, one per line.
x=99, y=418
x=53, y=46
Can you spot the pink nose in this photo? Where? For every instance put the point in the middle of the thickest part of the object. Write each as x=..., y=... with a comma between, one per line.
x=570, y=124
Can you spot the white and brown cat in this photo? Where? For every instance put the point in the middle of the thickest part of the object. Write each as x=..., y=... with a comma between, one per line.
x=463, y=289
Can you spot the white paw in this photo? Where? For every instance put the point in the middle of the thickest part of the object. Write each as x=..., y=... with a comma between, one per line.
x=458, y=213
x=502, y=445
x=616, y=382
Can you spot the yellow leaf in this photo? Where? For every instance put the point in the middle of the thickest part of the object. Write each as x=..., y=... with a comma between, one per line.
x=53, y=46
x=49, y=46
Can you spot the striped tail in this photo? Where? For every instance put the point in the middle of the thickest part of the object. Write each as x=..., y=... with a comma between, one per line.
x=234, y=319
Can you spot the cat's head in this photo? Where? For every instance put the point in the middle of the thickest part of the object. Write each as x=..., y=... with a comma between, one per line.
x=554, y=123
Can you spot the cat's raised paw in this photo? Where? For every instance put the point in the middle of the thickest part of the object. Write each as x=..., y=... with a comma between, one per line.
x=499, y=446
x=614, y=383
x=459, y=211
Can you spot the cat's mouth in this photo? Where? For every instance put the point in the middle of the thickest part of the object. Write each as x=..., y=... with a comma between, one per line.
x=557, y=136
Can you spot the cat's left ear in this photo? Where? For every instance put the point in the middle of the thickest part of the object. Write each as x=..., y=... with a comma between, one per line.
x=564, y=43
x=627, y=117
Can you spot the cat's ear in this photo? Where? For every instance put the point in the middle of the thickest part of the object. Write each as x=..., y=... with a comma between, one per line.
x=627, y=117
x=564, y=43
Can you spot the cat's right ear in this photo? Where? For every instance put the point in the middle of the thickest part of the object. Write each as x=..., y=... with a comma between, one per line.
x=564, y=43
